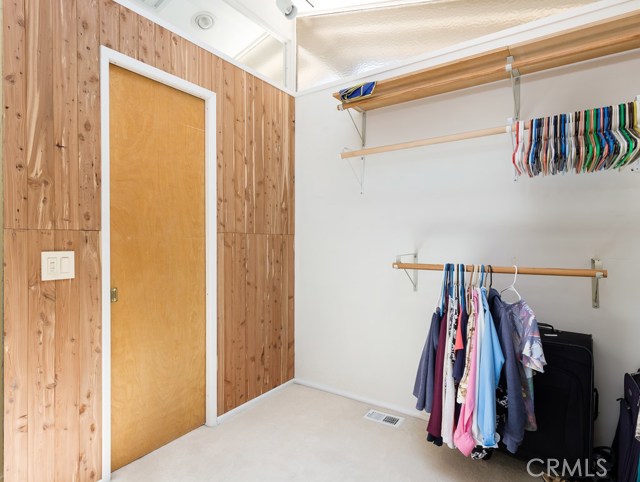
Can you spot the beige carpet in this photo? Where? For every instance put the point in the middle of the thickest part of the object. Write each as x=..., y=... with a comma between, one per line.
x=302, y=434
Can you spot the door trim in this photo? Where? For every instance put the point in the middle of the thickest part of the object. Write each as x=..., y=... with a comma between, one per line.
x=108, y=57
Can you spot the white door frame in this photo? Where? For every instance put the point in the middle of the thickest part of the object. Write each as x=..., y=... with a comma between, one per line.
x=108, y=57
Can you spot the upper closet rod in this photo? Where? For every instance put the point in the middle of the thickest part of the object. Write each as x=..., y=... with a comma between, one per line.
x=492, y=131
x=580, y=273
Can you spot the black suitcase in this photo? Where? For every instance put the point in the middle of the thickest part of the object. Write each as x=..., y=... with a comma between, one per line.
x=565, y=399
x=625, y=445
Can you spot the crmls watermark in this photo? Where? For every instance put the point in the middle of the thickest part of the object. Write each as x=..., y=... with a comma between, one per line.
x=564, y=468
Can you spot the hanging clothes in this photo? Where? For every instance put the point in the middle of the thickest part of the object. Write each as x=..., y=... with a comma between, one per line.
x=461, y=333
x=491, y=361
x=423, y=387
x=478, y=349
x=425, y=377
x=513, y=426
x=449, y=387
x=463, y=436
x=434, y=428
x=638, y=428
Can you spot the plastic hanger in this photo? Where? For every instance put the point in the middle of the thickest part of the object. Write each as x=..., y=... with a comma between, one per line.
x=527, y=152
x=461, y=285
x=635, y=109
x=620, y=140
x=630, y=127
x=445, y=273
x=629, y=141
x=516, y=150
x=512, y=286
x=580, y=141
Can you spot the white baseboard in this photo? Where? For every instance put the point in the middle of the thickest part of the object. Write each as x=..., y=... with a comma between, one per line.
x=369, y=401
x=232, y=413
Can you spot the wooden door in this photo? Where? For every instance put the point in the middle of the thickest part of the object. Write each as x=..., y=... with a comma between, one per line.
x=157, y=193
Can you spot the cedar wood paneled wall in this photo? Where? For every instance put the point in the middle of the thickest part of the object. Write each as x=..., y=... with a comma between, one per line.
x=52, y=201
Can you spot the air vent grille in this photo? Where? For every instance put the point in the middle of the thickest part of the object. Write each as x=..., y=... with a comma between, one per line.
x=384, y=418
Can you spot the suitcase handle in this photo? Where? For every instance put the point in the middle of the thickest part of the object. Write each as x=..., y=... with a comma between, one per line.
x=547, y=325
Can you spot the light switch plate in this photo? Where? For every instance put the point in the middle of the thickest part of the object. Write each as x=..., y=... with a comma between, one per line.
x=57, y=265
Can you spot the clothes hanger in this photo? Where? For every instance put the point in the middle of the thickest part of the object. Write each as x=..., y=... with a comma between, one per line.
x=516, y=149
x=588, y=139
x=512, y=286
x=630, y=127
x=570, y=139
x=552, y=159
x=527, y=152
x=580, y=141
x=603, y=146
x=463, y=304
x=635, y=109
x=628, y=140
x=621, y=142
x=445, y=273
x=609, y=138
x=544, y=145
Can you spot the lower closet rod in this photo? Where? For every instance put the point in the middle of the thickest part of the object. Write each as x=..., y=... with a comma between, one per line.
x=580, y=273
x=492, y=131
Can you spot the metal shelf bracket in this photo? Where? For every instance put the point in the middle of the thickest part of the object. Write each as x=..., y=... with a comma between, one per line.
x=596, y=263
x=362, y=134
x=414, y=278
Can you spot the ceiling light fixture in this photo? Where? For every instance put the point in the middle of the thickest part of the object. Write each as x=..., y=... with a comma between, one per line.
x=203, y=20
x=287, y=8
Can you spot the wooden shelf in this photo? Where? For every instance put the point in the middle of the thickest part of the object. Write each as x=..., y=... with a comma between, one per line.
x=606, y=37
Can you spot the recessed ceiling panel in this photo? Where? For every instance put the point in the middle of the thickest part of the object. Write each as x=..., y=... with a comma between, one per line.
x=339, y=45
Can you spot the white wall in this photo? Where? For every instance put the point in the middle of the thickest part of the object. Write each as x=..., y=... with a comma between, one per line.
x=359, y=326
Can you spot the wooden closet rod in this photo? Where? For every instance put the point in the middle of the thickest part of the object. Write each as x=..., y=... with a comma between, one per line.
x=492, y=131
x=579, y=273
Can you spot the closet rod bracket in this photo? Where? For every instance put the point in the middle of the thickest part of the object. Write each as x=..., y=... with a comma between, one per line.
x=413, y=278
x=596, y=263
x=362, y=134
x=515, y=86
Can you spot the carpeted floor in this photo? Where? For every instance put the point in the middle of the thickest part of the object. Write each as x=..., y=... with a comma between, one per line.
x=302, y=434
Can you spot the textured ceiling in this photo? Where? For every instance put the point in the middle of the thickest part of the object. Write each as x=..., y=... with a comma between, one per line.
x=340, y=45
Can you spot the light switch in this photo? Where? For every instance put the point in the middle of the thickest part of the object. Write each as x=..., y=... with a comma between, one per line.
x=57, y=265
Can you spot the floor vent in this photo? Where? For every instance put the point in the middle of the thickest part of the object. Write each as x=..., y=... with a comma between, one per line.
x=384, y=418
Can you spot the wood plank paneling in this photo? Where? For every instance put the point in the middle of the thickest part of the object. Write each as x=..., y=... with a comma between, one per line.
x=89, y=113
x=162, y=48
x=41, y=361
x=227, y=146
x=90, y=342
x=109, y=23
x=259, y=245
x=217, y=70
x=191, y=59
x=204, y=65
x=40, y=145
x=259, y=191
x=52, y=171
x=290, y=292
x=178, y=55
x=65, y=114
x=249, y=154
x=146, y=45
x=239, y=153
x=16, y=343
x=67, y=364
x=129, y=25
x=15, y=110
x=221, y=320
